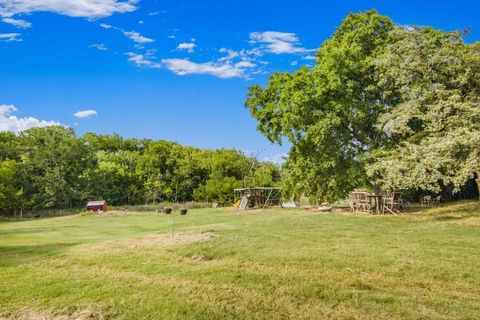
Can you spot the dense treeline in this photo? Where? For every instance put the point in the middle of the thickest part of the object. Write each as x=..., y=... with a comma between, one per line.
x=53, y=168
x=385, y=106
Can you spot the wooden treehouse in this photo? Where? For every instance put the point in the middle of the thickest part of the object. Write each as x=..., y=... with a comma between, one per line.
x=258, y=197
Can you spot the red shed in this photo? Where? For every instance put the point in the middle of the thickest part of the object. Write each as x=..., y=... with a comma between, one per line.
x=97, y=206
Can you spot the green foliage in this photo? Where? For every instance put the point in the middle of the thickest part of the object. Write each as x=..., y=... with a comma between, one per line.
x=390, y=106
x=433, y=120
x=52, y=162
x=219, y=189
x=329, y=112
x=267, y=175
x=10, y=190
x=115, y=178
x=52, y=168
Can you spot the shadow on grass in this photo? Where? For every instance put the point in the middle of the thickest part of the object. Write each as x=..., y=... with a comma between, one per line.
x=447, y=211
x=449, y=218
x=40, y=216
x=16, y=255
x=32, y=230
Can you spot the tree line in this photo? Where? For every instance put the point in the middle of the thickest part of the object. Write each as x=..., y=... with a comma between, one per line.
x=53, y=168
x=385, y=106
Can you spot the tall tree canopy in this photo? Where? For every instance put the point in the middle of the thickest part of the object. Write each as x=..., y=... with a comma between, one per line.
x=431, y=82
x=328, y=112
x=384, y=105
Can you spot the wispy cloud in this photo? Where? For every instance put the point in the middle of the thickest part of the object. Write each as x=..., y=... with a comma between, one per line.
x=90, y=9
x=17, y=22
x=137, y=37
x=187, y=46
x=232, y=64
x=310, y=57
x=141, y=60
x=85, y=114
x=278, y=42
x=106, y=26
x=98, y=46
x=10, y=37
x=228, y=69
x=132, y=35
x=9, y=122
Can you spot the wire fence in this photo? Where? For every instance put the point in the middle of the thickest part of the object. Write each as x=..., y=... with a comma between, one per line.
x=51, y=212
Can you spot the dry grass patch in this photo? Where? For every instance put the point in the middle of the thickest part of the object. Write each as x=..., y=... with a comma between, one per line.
x=472, y=221
x=155, y=240
x=31, y=314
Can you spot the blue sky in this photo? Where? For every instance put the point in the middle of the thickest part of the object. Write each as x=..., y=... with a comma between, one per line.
x=174, y=70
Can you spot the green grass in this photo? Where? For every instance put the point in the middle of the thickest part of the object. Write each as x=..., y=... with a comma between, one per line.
x=276, y=264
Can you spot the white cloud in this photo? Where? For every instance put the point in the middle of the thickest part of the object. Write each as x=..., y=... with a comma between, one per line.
x=294, y=63
x=105, y=26
x=99, y=46
x=273, y=36
x=244, y=55
x=278, y=42
x=278, y=158
x=9, y=122
x=234, y=64
x=141, y=60
x=85, y=114
x=17, y=22
x=132, y=35
x=10, y=37
x=310, y=57
x=190, y=46
x=219, y=69
x=171, y=37
x=154, y=13
x=141, y=22
x=73, y=8
x=137, y=37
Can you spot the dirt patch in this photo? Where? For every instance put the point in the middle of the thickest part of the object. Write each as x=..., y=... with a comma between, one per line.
x=111, y=213
x=158, y=240
x=116, y=213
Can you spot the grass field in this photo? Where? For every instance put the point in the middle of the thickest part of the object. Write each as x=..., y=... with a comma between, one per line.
x=275, y=264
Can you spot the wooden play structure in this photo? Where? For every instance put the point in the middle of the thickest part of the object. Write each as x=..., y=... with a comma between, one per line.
x=257, y=197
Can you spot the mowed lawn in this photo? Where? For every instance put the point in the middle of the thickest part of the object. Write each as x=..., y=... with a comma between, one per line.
x=272, y=264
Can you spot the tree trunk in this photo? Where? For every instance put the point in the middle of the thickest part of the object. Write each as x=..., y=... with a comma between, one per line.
x=21, y=213
x=477, y=179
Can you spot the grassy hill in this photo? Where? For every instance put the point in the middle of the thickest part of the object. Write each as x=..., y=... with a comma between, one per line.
x=273, y=264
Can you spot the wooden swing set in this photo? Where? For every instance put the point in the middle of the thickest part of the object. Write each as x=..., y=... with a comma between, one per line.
x=257, y=197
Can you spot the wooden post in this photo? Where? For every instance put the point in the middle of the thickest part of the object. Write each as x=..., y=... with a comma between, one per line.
x=268, y=198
